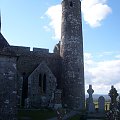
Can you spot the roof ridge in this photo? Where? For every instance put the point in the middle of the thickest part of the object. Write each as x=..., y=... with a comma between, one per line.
x=3, y=42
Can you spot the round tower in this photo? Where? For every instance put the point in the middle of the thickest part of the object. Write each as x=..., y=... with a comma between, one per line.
x=71, y=51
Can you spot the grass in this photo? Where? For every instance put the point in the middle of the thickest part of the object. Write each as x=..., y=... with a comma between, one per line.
x=36, y=114
x=46, y=114
x=76, y=117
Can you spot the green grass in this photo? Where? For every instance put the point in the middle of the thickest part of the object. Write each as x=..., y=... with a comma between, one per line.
x=76, y=117
x=36, y=114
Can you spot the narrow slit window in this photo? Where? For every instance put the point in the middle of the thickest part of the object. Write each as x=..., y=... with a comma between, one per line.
x=71, y=4
x=24, y=89
x=44, y=83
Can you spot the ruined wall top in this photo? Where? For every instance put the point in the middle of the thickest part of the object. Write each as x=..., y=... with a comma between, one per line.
x=20, y=50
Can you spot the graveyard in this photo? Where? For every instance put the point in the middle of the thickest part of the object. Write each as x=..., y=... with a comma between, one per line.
x=100, y=109
x=40, y=85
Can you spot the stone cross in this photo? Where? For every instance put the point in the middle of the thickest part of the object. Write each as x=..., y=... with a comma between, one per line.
x=91, y=106
x=90, y=92
x=113, y=95
x=101, y=104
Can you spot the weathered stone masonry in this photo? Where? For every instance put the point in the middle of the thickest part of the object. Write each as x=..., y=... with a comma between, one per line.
x=72, y=54
x=40, y=77
x=8, y=87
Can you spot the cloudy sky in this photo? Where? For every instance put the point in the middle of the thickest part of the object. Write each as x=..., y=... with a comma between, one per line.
x=37, y=23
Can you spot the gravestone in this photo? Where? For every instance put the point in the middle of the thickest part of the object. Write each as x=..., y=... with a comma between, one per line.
x=114, y=112
x=113, y=95
x=91, y=106
x=101, y=104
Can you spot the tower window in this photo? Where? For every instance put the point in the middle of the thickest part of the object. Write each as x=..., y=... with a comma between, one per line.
x=71, y=4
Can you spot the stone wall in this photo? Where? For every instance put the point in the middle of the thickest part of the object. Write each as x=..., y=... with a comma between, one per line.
x=28, y=61
x=19, y=89
x=41, y=85
x=8, y=90
x=20, y=50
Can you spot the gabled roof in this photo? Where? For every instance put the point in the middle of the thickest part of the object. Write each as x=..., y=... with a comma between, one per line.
x=5, y=47
x=42, y=68
x=3, y=42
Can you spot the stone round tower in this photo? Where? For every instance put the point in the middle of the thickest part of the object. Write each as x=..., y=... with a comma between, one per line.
x=71, y=51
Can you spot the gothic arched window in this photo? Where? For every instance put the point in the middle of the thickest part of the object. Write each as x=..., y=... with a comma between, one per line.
x=42, y=83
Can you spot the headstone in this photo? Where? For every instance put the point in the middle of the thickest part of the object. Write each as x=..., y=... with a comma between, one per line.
x=101, y=104
x=91, y=106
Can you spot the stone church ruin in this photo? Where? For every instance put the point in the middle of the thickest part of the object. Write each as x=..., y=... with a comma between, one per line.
x=38, y=78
